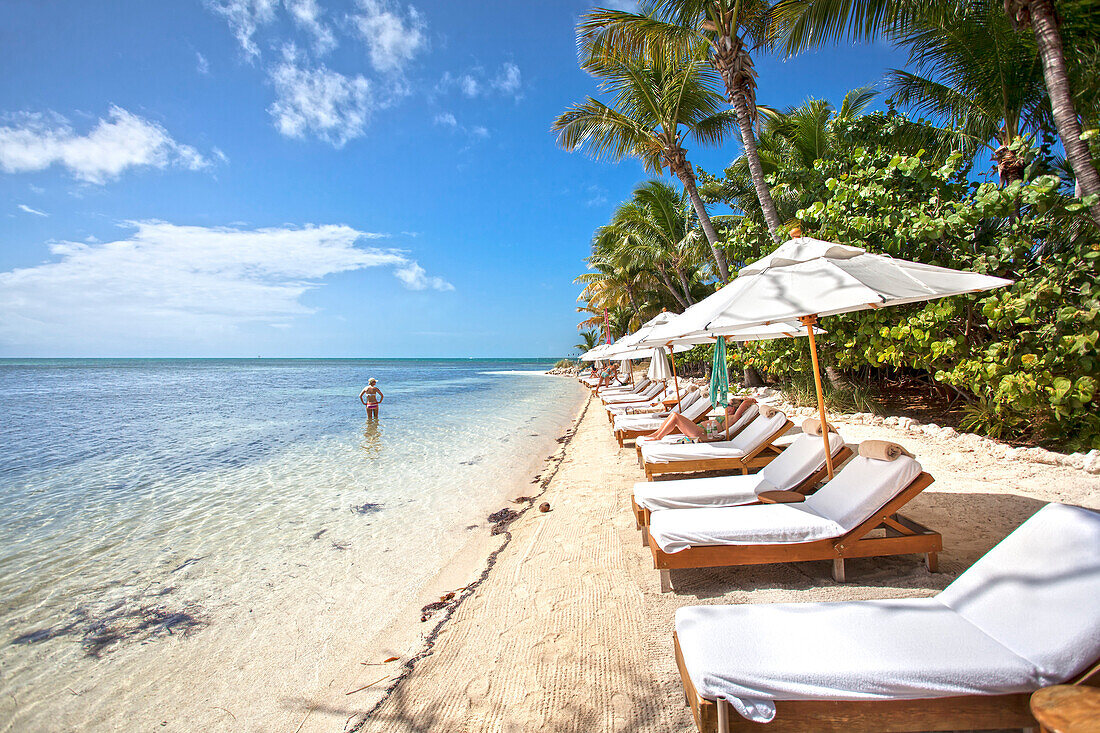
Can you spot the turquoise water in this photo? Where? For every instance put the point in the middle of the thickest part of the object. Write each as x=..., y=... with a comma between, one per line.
x=148, y=503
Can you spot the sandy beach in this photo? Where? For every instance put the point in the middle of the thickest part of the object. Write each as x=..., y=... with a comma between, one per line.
x=568, y=630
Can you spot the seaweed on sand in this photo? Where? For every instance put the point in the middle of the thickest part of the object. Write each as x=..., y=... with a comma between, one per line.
x=500, y=520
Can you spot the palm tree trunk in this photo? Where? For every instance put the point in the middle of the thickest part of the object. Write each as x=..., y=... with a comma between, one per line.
x=685, y=285
x=679, y=164
x=1049, y=40
x=734, y=64
x=671, y=288
x=752, y=156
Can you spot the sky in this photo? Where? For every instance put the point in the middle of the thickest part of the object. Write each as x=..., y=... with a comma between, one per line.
x=310, y=178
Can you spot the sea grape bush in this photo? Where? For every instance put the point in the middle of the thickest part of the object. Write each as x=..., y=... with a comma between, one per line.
x=1023, y=358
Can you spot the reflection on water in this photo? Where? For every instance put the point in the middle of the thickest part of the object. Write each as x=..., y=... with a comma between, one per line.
x=372, y=437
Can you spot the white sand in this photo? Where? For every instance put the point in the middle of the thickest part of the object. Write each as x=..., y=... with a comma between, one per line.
x=569, y=632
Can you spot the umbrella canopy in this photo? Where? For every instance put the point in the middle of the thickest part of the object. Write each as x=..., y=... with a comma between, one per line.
x=597, y=354
x=719, y=376
x=658, y=366
x=809, y=277
x=627, y=346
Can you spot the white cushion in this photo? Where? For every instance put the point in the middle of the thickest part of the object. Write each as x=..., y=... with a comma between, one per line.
x=693, y=493
x=746, y=417
x=748, y=440
x=1038, y=591
x=664, y=451
x=1023, y=617
x=754, y=654
x=757, y=431
x=757, y=524
x=697, y=409
x=861, y=488
x=802, y=457
x=650, y=392
x=639, y=422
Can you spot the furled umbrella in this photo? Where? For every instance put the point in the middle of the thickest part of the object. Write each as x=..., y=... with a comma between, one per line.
x=806, y=279
x=719, y=375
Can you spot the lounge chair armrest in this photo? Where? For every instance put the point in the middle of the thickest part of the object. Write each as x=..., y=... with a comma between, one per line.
x=780, y=497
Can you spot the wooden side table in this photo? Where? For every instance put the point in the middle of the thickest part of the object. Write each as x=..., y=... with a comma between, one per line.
x=1067, y=709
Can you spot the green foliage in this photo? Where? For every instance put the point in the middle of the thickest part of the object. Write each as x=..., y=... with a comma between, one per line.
x=1024, y=356
x=564, y=364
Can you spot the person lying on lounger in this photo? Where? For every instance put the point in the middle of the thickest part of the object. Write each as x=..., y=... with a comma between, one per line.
x=677, y=423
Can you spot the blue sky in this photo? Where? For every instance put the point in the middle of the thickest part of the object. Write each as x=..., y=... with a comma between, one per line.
x=365, y=178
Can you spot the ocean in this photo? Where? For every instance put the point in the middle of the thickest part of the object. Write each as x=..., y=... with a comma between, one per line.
x=236, y=527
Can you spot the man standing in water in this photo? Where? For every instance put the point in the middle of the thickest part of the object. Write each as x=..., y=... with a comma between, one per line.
x=371, y=397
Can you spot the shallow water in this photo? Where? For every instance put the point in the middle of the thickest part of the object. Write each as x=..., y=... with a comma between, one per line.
x=149, y=506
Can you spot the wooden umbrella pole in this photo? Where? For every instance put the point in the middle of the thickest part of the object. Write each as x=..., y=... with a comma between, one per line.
x=808, y=322
x=675, y=380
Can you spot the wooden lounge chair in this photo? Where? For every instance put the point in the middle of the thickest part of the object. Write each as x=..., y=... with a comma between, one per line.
x=1023, y=617
x=694, y=408
x=835, y=523
x=645, y=395
x=751, y=448
x=800, y=467
x=655, y=403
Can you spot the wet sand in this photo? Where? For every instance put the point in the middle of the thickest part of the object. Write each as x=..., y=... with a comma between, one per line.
x=568, y=631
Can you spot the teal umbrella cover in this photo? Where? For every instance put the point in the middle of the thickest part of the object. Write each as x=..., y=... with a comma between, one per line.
x=719, y=377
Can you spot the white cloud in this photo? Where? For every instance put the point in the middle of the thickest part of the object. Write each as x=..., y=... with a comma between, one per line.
x=324, y=103
x=29, y=210
x=166, y=281
x=393, y=37
x=245, y=17
x=508, y=81
x=201, y=64
x=597, y=195
x=469, y=85
x=476, y=82
x=307, y=16
x=415, y=278
x=124, y=140
x=479, y=131
x=630, y=6
x=446, y=119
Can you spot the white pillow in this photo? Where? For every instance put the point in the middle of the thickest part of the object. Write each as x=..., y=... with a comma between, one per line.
x=802, y=457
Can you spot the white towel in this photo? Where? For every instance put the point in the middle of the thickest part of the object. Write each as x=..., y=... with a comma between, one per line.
x=1023, y=617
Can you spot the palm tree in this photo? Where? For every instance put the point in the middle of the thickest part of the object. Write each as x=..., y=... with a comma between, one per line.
x=807, y=23
x=726, y=27
x=590, y=339
x=655, y=230
x=657, y=104
x=980, y=75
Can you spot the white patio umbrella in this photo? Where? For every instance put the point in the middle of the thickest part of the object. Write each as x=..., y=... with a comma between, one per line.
x=806, y=279
x=658, y=366
x=625, y=367
x=597, y=354
x=627, y=346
